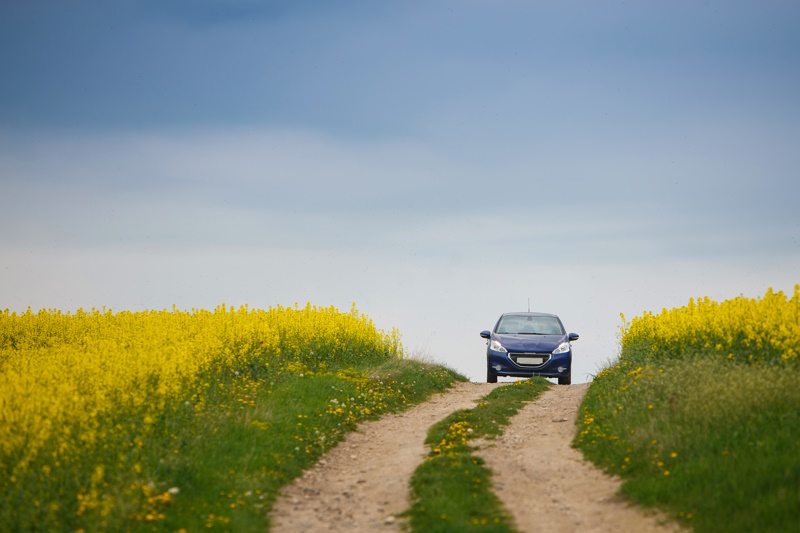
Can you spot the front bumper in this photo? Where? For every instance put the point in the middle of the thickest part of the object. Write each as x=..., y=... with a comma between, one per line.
x=553, y=366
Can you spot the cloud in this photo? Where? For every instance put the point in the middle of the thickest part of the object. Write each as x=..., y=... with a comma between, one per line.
x=297, y=189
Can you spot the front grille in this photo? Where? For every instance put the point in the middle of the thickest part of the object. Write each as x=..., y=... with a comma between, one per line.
x=545, y=357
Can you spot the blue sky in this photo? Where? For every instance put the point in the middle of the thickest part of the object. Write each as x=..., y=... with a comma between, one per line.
x=436, y=162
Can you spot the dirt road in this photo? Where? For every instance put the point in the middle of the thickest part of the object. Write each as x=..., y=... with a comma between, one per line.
x=359, y=485
x=363, y=482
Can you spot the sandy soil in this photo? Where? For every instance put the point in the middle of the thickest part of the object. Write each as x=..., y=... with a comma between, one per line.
x=362, y=482
x=547, y=485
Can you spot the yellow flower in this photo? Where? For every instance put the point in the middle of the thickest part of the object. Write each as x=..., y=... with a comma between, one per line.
x=81, y=370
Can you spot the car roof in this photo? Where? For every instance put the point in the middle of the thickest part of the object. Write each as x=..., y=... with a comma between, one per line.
x=528, y=313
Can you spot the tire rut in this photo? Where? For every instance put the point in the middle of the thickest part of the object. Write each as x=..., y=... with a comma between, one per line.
x=549, y=486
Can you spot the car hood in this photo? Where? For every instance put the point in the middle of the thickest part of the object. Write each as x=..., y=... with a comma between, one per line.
x=530, y=343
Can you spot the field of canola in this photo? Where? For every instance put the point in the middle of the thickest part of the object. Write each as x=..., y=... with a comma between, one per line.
x=102, y=414
x=756, y=331
x=700, y=415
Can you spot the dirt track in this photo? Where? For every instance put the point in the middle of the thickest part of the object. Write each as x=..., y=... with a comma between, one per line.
x=533, y=462
x=363, y=482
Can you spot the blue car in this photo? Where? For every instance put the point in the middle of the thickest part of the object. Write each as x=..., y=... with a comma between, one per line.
x=529, y=344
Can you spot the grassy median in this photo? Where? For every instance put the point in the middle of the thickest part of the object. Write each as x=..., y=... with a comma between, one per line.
x=452, y=489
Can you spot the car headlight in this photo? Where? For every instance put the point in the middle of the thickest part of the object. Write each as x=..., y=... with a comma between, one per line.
x=562, y=348
x=496, y=346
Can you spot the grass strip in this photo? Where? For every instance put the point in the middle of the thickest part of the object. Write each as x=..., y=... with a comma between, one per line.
x=713, y=443
x=452, y=490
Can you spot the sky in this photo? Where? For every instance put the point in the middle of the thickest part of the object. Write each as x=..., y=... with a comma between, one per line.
x=438, y=163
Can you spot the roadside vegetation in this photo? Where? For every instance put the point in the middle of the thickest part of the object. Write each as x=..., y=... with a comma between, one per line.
x=183, y=421
x=700, y=416
x=452, y=490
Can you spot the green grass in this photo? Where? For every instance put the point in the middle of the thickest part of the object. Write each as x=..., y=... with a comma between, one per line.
x=241, y=453
x=452, y=489
x=226, y=457
x=715, y=444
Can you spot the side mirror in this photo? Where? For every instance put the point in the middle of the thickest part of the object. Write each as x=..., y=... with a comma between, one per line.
x=486, y=334
x=573, y=337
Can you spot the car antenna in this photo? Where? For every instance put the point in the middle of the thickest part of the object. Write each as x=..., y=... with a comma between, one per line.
x=529, y=304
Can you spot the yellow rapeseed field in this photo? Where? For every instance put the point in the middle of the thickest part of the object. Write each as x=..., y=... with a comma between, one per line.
x=80, y=392
x=765, y=330
x=700, y=414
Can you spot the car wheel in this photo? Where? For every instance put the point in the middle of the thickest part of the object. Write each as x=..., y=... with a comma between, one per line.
x=566, y=380
x=491, y=377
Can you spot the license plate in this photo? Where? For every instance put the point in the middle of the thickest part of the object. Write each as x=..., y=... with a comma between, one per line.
x=530, y=360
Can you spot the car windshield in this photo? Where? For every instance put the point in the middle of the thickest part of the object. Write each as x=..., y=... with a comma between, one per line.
x=529, y=325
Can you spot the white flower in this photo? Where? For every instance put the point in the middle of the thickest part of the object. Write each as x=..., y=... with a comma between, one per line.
x=174, y=490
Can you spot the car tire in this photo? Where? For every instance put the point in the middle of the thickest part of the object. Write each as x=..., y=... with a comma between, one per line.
x=491, y=377
x=566, y=380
